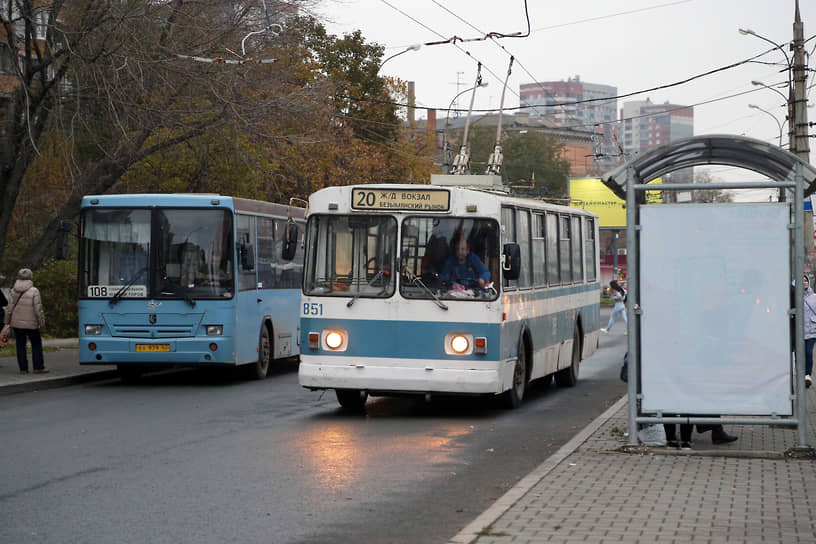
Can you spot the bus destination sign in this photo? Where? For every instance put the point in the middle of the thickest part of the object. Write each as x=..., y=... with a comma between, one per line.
x=419, y=200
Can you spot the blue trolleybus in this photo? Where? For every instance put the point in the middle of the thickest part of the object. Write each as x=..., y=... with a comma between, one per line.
x=420, y=289
x=188, y=279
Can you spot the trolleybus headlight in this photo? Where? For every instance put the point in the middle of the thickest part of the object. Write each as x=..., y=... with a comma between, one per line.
x=93, y=330
x=215, y=330
x=334, y=340
x=458, y=344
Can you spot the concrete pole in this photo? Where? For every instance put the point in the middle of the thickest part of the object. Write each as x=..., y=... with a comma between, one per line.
x=800, y=145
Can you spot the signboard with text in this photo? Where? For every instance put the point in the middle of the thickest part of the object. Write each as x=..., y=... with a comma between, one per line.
x=420, y=200
x=596, y=197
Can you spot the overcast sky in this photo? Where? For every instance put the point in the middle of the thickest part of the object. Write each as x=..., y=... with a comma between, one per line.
x=633, y=45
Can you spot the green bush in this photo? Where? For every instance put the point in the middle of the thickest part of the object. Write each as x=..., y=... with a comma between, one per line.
x=57, y=282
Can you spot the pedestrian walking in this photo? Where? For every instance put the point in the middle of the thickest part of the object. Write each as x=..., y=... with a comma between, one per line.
x=619, y=296
x=26, y=317
x=3, y=304
x=809, y=314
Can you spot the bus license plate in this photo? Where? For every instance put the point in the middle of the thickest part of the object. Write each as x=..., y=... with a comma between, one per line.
x=152, y=347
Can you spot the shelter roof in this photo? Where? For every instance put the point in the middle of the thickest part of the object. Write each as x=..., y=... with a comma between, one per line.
x=725, y=149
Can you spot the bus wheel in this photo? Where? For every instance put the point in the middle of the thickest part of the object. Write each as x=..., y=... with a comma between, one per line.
x=260, y=368
x=352, y=400
x=568, y=377
x=129, y=373
x=512, y=397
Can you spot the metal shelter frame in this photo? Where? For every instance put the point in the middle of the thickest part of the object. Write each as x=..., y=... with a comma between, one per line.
x=785, y=171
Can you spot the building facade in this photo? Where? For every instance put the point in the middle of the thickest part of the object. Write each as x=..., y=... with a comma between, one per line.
x=579, y=106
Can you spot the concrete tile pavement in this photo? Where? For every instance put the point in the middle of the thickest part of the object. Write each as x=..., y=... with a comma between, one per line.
x=592, y=492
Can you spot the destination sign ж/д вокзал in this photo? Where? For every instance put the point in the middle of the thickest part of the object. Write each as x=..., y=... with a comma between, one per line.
x=422, y=200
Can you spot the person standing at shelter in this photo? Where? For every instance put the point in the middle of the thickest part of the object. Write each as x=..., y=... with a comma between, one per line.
x=25, y=315
x=809, y=315
x=618, y=295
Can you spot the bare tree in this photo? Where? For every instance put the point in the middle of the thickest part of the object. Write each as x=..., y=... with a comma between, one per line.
x=120, y=81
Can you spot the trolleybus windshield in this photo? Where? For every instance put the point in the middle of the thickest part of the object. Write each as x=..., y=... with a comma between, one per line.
x=449, y=257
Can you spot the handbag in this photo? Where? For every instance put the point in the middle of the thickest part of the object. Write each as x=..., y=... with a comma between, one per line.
x=624, y=373
x=6, y=332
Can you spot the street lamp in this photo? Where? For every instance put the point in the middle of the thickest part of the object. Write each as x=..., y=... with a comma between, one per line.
x=777, y=91
x=415, y=47
x=789, y=99
x=755, y=107
x=750, y=32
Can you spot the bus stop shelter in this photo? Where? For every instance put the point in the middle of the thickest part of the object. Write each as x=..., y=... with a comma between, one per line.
x=712, y=290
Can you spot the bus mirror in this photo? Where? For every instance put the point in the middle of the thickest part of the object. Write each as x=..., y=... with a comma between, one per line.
x=289, y=242
x=247, y=255
x=511, y=261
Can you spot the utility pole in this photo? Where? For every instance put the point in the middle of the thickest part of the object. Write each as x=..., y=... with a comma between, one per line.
x=798, y=121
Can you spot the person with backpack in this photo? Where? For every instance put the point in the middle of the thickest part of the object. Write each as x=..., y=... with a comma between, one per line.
x=619, y=296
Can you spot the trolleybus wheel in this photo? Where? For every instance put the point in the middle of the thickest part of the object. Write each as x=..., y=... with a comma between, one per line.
x=351, y=399
x=512, y=397
x=260, y=368
x=568, y=377
x=129, y=374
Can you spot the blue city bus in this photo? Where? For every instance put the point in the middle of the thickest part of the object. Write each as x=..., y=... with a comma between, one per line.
x=188, y=279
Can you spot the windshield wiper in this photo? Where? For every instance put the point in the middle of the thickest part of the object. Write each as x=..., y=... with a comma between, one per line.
x=377, y=276
x=185, y=294
x=122, y=290
x=416, y=281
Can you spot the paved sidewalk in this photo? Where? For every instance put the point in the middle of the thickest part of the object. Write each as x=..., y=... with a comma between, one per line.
x=592, y=492
x=63, y=366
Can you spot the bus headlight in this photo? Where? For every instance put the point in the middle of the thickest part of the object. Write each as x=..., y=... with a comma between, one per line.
x=93, y=330
x=215, y=330
x=458, y=344
x=335, y=339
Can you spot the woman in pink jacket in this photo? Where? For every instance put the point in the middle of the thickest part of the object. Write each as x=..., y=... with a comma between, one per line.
x=26, y=317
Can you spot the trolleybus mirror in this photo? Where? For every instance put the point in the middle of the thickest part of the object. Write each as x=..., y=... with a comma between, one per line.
x=511, y=261
x=290, y=242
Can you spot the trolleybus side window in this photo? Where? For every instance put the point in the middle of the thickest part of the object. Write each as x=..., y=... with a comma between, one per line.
x=523, y=240
x=553, y=269
x=508, y=236
x=564, y=248
x=589, y=249
x=245, y=242
x=577, y=261
x=539, y=248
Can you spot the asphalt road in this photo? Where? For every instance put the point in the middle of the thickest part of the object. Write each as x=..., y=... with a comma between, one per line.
x=200, y=457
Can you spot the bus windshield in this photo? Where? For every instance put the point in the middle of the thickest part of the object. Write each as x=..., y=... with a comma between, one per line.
x=351, y=255
x=191, y=252
x=449, y=258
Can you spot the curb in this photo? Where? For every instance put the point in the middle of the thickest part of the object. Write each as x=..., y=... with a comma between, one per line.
x=54, y=383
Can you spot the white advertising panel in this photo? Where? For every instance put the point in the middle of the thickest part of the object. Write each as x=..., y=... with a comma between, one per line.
x=715, y=292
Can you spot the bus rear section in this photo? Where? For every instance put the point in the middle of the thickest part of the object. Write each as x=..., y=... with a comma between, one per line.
x=190, y=280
